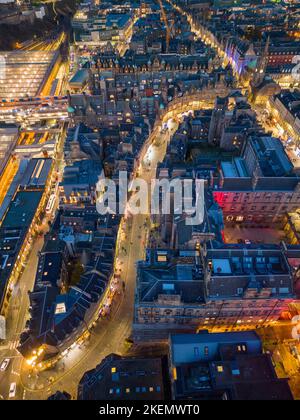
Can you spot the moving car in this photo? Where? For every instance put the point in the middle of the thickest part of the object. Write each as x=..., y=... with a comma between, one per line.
x=4, y=365
x=12, y=390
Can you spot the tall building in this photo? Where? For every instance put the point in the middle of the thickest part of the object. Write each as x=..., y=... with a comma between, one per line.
x=260, y=186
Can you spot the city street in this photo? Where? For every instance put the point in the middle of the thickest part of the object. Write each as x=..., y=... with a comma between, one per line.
x=18, y=315
x=109, y=335
x=46, y=121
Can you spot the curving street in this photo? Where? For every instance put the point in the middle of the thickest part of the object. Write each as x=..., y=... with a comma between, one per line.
x=109, y=334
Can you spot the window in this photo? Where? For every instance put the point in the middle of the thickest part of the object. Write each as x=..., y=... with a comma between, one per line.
x=206, y=351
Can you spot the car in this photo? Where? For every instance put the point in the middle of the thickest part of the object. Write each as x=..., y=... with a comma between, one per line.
x=247, y=242
x=12, y=390
x=4, y=365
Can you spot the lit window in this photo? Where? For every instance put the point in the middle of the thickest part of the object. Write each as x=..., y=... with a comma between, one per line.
x=113, y=370
x=220, y=369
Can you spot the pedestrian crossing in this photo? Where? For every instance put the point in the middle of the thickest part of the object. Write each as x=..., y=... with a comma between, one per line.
x=12, y=345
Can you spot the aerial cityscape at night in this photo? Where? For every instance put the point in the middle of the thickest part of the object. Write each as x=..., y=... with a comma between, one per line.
x=149, y=201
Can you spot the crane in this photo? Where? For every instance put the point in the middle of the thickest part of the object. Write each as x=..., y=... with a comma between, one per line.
x=168, y=31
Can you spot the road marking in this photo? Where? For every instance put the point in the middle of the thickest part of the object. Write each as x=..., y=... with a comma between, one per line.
x=13, y=345
x=15, y=373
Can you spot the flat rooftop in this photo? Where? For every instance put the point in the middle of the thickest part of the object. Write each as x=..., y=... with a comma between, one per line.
x=37, y=173
x=22, y=209
x=235, y=169
x=81, y=76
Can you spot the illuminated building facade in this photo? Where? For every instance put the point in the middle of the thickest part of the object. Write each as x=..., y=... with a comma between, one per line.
x=227, y=288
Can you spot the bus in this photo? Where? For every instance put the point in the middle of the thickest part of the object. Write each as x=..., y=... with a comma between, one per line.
x=51, y=204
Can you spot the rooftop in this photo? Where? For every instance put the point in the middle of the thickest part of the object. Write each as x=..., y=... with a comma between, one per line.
x=25, y=72
x=272, y=158
x=22, y=209
x=224, y=366
x=118, y=378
